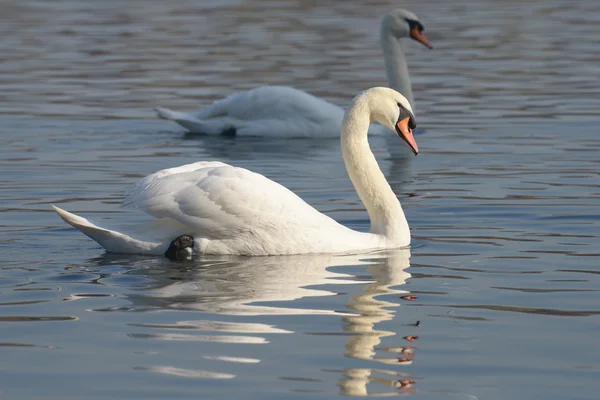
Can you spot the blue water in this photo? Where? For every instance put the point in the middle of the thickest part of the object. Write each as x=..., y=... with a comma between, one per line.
x=497, y=298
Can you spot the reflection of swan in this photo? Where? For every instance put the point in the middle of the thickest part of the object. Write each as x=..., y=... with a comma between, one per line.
x=231, y=210
x=254, y=286
x=285, y=111
x=357, y=379
x=367, y=312
x=241, y=286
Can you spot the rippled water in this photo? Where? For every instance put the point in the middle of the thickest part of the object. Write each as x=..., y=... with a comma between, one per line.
x=497, y=299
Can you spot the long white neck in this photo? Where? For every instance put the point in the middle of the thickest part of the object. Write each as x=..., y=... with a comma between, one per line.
x=385, y=212
x=395, y=65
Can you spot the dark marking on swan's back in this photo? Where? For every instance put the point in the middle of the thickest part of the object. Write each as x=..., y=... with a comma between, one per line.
x=229, y=132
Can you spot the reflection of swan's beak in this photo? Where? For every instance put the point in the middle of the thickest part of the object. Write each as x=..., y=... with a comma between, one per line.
x=420, y=37
x=406, y=133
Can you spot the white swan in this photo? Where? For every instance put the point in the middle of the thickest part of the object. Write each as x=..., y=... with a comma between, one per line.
x=285, y=111
x=215, y=208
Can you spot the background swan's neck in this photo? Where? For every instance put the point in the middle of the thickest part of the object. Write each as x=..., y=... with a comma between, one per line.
x=385, y=212
x=395, y=65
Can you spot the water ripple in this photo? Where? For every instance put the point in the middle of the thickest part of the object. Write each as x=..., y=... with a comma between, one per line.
x=502, y=202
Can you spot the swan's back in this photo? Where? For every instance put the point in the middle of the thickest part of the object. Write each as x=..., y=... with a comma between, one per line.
x=277, y=111
x=272, y=102
x=238, y=210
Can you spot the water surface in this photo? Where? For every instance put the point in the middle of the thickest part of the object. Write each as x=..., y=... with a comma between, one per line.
x=497, y=298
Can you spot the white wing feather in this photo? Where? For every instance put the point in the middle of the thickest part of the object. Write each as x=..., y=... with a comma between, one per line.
x=219, y=201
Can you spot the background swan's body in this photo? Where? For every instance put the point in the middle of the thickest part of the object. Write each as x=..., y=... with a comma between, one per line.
x=266, y=111
x=230, y=210
x=285, y=111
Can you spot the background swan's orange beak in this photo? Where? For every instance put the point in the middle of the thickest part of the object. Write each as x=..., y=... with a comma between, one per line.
x=407, y=135
x=420, y=37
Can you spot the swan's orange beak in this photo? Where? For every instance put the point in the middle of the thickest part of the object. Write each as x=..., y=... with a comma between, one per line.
x=406, y=134
x=420, y=37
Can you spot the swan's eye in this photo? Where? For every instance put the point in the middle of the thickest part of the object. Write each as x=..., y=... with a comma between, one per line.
x=412, y=24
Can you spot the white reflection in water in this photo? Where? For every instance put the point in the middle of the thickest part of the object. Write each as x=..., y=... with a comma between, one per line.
x=356, y=381
x=219, y=326
x=187, y=373
x=388, y=274
x=241, y=360
x=244, y=286
x=202, y=338
x=235, y=286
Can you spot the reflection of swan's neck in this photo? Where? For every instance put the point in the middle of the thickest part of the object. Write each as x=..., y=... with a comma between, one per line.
x=395, y=65
x=385, y=212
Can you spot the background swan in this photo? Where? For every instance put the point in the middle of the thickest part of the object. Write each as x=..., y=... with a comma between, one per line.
x=285, y=111
x=230, y=210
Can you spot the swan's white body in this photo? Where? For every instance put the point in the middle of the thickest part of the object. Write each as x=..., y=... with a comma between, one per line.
x=230, y=210
x=266, y=111
x=287, y=112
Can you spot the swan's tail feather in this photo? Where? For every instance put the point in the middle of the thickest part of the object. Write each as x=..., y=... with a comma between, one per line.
x=111, y=240
x=165, y=113
x=195, y=125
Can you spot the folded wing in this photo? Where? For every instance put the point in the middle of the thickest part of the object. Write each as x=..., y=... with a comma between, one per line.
x=219, y=201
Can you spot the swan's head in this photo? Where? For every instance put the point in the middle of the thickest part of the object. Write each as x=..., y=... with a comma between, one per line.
x=402, y=23
x=390, y=108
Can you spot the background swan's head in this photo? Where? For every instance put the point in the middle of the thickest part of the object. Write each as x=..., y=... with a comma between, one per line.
x=402, y=23
x=390, y=108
